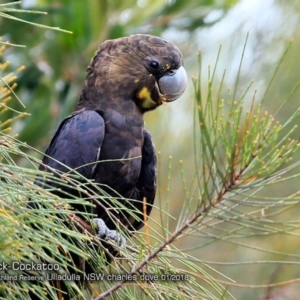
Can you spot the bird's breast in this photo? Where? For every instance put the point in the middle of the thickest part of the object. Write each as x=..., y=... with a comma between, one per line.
x=120, y=155
x=119, y=166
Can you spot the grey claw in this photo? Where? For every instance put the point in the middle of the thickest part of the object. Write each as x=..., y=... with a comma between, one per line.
x=105, y=233
x=102, y=228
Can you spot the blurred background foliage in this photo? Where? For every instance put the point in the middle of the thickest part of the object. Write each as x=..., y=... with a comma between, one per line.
x=55, y=70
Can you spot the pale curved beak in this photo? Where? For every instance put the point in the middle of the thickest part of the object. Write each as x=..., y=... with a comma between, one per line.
x=173, y=84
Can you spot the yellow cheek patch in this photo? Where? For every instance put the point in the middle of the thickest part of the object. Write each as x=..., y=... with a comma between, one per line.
x=145, y=96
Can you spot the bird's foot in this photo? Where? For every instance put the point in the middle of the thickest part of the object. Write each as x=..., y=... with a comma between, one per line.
x=107, y=234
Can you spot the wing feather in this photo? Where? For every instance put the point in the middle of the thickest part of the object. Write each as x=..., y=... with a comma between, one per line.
x=76, y=144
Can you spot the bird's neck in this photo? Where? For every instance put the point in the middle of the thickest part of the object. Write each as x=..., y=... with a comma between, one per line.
x=92, y=99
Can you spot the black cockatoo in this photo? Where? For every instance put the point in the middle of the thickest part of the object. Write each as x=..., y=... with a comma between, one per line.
x=104, y=139
x=126, y=78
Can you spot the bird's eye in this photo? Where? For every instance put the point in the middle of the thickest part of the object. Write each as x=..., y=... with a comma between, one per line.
x=154, y=65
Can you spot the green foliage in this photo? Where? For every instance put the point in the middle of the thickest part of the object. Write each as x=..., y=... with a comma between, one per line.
x=232, y=203
x=237, y=153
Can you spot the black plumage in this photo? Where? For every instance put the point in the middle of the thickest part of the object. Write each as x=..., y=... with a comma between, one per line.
x=83, y=142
